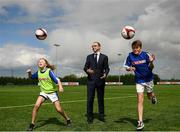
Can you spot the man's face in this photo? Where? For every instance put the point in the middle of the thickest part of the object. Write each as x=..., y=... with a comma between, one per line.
x=136, y=50
x=95, y=47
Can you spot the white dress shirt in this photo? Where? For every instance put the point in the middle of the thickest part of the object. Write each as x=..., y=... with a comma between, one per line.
x=98, y=54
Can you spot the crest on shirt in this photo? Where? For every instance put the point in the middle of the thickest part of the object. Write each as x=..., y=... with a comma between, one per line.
x=138, y=62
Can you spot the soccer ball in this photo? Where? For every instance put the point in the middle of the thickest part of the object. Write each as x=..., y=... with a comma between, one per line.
x=41, y=33
x=128, y=32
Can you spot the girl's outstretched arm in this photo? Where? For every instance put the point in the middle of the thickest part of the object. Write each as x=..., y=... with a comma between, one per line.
x=56, y=80
x=32, y=76
x=60, y=86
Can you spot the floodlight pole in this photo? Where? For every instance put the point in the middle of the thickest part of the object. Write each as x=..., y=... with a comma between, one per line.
x=56, y=45
x=119, y=70
x=12, y=72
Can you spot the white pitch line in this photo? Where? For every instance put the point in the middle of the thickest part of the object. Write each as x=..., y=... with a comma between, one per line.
x=64, y=102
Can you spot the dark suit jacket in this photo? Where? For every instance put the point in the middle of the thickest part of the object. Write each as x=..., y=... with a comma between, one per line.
x=99, y=69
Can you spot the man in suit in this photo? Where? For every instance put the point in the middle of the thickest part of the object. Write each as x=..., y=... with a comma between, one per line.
x=97, y=69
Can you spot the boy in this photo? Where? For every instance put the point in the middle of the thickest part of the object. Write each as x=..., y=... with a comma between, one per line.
x=141, y=63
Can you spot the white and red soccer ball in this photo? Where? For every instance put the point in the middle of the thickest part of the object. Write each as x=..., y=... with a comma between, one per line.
x=128, y=32
x=41, y=33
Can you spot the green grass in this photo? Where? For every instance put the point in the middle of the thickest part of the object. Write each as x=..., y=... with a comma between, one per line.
x=120, y=109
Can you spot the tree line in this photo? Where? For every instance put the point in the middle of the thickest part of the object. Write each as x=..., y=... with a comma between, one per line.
x=127, y=79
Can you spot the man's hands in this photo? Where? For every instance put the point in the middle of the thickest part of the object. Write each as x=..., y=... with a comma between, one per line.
x=90, y=71
x=103, y=77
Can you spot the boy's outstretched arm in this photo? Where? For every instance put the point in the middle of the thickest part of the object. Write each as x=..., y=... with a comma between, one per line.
x=151, y=59
x=151, y=65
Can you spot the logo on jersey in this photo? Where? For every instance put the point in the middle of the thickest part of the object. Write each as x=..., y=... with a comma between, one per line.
x=40, y=79
x=138, y=62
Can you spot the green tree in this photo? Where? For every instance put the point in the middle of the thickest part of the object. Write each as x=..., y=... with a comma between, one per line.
x=70, y=78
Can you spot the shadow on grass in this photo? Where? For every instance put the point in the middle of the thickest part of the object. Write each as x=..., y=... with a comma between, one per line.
x=95, y=115
x=130, y=120
x=42, y=123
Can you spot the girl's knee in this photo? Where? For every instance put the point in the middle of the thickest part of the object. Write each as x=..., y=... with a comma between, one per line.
x=36, y=107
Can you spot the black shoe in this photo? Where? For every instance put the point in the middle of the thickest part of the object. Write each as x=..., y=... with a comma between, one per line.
x=90, y=120
x=30, y=128
x=102, y=119
x=68, y=122
x=154, y=100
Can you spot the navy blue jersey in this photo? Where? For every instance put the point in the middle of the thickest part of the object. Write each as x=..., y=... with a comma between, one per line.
x=141, y=62
x=51, y=74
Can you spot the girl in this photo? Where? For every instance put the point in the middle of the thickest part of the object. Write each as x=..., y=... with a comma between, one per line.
x=47, y=84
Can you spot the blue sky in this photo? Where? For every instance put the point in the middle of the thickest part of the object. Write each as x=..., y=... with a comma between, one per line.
x=75, y=24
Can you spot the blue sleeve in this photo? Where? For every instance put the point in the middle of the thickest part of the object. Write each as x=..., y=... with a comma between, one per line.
x=147, y=57
x=34, y=75
x=53, y=77
x=127, y=62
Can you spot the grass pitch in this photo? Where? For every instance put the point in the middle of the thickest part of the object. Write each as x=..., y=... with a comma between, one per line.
x=16, y=104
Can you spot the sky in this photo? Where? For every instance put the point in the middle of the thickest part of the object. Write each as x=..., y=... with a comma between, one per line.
x=76, y=24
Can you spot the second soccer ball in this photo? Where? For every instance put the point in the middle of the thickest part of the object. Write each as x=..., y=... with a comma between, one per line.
x=128, y=32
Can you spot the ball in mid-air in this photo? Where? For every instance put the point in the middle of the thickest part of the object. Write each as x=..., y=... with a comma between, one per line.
x=41, y=33
x=128, y=32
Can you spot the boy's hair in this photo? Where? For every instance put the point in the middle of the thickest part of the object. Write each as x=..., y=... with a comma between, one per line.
x=136, y=43
x=52, y=67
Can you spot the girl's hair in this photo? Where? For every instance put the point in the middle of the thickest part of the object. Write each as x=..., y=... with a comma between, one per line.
x=52, y=67
x=136, y=43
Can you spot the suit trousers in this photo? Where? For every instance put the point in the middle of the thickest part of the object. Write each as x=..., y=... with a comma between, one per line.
x=92, y=86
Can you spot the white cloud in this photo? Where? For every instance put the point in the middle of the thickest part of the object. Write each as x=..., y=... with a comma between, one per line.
x=32, y=11
x=79, y=23
x=19, y=55
x=159, y=29
x=76, y=45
